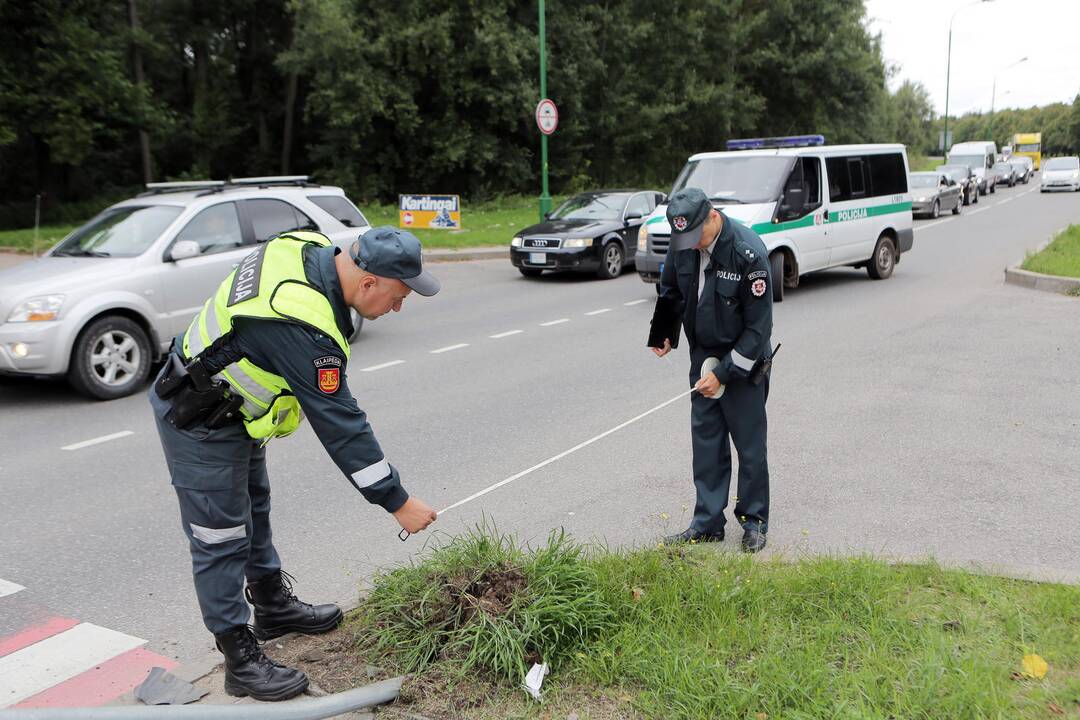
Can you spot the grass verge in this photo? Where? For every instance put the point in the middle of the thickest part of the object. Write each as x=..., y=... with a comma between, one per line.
x=1061, y=257
x=23, y=240
x=493, y=222
x=698, y=632
x=924, y=163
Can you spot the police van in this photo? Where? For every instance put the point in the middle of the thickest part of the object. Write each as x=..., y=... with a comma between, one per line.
x=815, y=206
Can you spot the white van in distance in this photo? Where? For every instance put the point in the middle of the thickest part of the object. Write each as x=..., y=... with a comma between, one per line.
x=980, y=157
x=815, y=206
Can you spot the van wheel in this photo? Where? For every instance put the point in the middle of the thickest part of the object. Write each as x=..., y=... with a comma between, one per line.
x=935, y=212
x=530, y=272
x=111, y=358
x=611, y=261
x=881, y=264
x=776, y=265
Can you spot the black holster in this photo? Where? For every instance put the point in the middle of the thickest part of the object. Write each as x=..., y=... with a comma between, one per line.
x=196, y=398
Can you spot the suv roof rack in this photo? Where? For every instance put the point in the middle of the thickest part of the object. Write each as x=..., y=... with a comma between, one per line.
x=182, y=186
x=215, y=186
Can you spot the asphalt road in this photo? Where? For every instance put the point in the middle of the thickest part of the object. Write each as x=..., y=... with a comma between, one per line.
x=932, y=414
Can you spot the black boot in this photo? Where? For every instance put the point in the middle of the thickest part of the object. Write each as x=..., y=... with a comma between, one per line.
x=277, y=611
x=249, y=672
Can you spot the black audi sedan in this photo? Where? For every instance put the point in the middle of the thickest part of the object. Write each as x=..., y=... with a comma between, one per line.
x=591, y=232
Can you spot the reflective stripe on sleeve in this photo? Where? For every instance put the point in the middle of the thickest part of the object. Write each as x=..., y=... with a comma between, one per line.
x=215, y=536
x=371, y=474
x=742, y=362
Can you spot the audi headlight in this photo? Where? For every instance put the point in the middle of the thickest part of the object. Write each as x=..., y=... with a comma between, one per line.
x=643, y=238
x=577, y=242
x=516, y=242
x=37, y=309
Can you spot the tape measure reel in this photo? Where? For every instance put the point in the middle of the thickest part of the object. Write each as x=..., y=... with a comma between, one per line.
x=707, y=367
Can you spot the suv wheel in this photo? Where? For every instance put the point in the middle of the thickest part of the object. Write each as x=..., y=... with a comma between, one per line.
x=881, y=265
x=611, y=261
x=111, y=358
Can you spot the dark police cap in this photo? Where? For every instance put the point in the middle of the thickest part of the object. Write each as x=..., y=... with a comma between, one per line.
x=687, y=211
x=392, y=253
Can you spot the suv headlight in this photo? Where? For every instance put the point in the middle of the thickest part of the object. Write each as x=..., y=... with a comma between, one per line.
x=516, y=242
x=37, y=309
x=577, y=242
x=643, y=238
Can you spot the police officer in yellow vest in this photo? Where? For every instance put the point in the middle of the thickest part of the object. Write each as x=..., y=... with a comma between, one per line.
x=269, y=347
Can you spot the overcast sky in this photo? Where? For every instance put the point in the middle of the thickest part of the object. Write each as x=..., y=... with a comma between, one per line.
x=987, y=38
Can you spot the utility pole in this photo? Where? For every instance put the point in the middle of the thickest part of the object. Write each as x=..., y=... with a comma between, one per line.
x=144, y=139
x=545, y=198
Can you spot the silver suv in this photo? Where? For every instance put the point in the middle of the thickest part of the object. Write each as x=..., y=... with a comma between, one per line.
x=105, y=303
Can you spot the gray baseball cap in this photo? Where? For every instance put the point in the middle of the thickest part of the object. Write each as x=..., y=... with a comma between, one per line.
x=392, y=253
x=687, y=211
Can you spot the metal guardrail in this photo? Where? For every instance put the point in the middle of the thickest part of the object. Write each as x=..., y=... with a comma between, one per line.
x=324, y=707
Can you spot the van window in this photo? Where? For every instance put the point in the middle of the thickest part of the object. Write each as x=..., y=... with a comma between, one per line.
x=851, y=178
x=887, y=174
x=805, y=175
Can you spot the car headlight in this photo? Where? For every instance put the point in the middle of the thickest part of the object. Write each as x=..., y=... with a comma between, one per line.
x=1076, y=175
x=643, y=238
x=577, y=242
x=37, y=309
x=516, y=242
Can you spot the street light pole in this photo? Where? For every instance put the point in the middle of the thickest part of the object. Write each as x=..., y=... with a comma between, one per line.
x=948, y=71
x=545, y=198
x=993, y=92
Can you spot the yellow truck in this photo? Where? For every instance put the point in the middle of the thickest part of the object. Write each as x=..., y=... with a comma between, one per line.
x=1029, y=145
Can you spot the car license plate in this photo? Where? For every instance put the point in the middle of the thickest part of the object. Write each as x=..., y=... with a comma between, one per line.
x=538, y=258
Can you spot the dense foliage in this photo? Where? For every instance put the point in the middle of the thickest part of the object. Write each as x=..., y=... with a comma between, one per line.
x=388, y=96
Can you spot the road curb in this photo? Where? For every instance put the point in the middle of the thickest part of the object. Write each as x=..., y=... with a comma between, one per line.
x=480, y=253
x=1038, y=281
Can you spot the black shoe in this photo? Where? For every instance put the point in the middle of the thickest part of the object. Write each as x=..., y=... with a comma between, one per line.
x=249, y=672
x=753, y=541
x=690, y=535
x=277, y=610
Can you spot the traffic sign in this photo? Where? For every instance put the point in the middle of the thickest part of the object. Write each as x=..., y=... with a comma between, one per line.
x=547, y=116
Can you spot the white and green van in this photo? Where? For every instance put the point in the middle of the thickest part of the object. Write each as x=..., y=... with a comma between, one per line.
x=815, y=206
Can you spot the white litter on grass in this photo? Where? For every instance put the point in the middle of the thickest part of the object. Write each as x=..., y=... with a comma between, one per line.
x=534, y=679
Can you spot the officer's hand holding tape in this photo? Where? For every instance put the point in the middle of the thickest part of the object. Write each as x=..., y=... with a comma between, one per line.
x=661, y=352
x=708, y=385
x=415, y=515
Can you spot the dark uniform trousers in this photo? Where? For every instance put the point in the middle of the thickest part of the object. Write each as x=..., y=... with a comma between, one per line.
x=739, y=417
x=224, y=492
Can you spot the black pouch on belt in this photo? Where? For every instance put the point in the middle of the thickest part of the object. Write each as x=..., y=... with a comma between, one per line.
x=174, y=379
x=200, y=396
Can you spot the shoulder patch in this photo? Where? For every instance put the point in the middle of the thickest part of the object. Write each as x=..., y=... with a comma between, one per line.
x=329, y=379
x=757, y=274
x=758, y=287
x=328, y=361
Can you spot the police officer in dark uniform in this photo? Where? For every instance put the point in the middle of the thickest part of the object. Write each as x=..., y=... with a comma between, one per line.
x=715, y=282
x=270, y=346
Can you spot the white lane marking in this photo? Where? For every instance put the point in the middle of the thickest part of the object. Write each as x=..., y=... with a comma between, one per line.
x=976, y=212
x=9, y=588
x=53, y=660
x=601, y=311
x=560, y=321
x=563, y=454
x=373, y=368
x=927, y=227
x=97, y=440
x=508, y=333
x=448, y=348
x=1008, y=199
x=636, y=302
